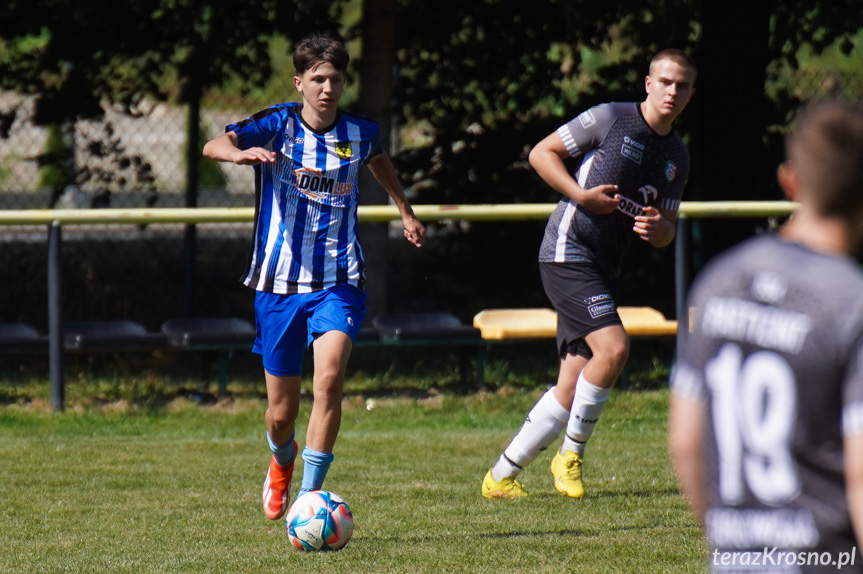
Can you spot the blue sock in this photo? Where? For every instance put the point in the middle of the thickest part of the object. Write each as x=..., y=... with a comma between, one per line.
x=284, y=454
x=315, y=470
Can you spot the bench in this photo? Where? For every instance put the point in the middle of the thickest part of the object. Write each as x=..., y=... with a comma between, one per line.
x=223, y=335
x=21, y=338
x=499, y=325
x=426, y=328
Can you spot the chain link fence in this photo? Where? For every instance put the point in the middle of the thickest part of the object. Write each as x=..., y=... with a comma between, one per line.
x=141, y=159
x=123, y=160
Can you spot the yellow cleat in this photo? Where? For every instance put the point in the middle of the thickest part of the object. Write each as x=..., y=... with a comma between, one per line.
x=507, y=488
x=566, y=469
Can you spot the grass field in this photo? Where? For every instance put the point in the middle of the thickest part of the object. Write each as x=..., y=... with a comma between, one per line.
x=127, y=487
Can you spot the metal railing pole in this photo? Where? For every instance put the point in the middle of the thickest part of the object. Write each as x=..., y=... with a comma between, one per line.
x=681, y=273
x=55, y=316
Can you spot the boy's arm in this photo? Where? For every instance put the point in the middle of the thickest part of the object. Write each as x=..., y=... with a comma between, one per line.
x=547, y=159
x=224, y=148
x=685, y=419
x=382, y=168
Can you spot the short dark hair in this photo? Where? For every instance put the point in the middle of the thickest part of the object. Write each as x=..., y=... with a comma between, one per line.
x=315, y=50
x=826, y=150
x=677, y=56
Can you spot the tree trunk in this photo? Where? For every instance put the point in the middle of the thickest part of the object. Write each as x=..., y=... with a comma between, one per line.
x=375, y=97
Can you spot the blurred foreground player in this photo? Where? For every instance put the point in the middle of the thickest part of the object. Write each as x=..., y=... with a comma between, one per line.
x=306, y=264
x=630, y=178
x=766, y=416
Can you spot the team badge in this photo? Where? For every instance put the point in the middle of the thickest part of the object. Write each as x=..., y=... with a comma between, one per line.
x=343, y=149
x=670, y=170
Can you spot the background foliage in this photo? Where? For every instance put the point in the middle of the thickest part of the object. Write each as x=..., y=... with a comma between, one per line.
x=474, y=85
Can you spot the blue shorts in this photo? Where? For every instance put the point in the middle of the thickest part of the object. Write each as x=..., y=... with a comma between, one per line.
x=287, y=325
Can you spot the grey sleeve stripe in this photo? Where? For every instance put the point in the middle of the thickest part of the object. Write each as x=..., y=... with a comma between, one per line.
x=670, y=204
x=568, y=141
x=687, y=382
x=852, y=419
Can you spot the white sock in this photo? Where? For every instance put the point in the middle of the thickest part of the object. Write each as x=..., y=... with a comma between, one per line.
x=586, y=406
x=543, y=425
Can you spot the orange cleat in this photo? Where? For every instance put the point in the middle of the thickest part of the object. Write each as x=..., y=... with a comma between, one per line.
x=277, y=487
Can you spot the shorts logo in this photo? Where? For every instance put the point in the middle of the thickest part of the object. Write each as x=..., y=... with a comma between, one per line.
x=586, y=119
x=599, y=305
x=351, y=321
x=343, y=150
x=670, y=170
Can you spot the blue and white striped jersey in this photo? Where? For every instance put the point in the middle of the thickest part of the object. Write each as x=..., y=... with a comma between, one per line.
x=614, y=145
x=306, y=201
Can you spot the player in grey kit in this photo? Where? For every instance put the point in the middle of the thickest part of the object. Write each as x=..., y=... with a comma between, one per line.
x=629, y=181
x=766, y=416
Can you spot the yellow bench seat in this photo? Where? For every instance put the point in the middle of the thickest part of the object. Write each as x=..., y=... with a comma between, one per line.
x=500, y=324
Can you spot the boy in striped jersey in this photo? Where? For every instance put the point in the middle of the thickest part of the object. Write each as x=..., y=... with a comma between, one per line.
x=632, y=167
x=306, y=263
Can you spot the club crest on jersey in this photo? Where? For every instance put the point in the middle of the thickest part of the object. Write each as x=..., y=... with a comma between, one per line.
x=343, y=149
x=670, y=170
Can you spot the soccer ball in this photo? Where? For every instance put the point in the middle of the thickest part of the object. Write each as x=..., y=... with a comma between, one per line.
x=319, y=520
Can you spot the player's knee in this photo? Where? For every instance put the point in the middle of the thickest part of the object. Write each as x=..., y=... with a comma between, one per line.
x=283, y=416
x=616, y=352
x=328, y=389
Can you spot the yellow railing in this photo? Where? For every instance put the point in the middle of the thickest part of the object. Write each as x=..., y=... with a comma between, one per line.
x=55, y=219
x=367, y=213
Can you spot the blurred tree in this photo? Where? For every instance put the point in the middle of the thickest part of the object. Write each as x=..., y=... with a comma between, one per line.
x=77, y=56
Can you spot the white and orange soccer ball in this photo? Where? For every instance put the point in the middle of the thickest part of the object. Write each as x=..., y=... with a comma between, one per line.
x=319, y=520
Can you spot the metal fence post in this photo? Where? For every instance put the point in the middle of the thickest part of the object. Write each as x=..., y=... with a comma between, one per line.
x=681, y=272
x=55, y=315
x=193, y=153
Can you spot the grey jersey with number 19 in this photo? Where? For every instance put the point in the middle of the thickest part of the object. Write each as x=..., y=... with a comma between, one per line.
x=615, y=146
x=776, y=355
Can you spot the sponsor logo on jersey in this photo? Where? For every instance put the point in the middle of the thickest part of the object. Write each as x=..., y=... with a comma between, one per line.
x=314, y=184
x=630, y=207
x=632, y=143
x=631, y=152
x=648, y=193
x=670, y=170
x=299, y=140
x=769, y=287
x=343, y=149
x=586, y=118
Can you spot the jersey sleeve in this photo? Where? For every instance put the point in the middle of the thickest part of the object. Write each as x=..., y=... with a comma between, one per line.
x=677, y=171
x=692, y=349
x=260, y=129
x=852, y=393
x=587, y=130
x=375, y=147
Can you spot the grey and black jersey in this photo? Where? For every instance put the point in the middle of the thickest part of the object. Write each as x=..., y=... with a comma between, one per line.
x=615, y=146
x=775, y=354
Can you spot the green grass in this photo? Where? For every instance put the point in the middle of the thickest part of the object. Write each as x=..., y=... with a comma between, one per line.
x=132, y=487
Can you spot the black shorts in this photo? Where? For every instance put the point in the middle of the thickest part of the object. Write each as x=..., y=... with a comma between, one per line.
x=584, y=301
